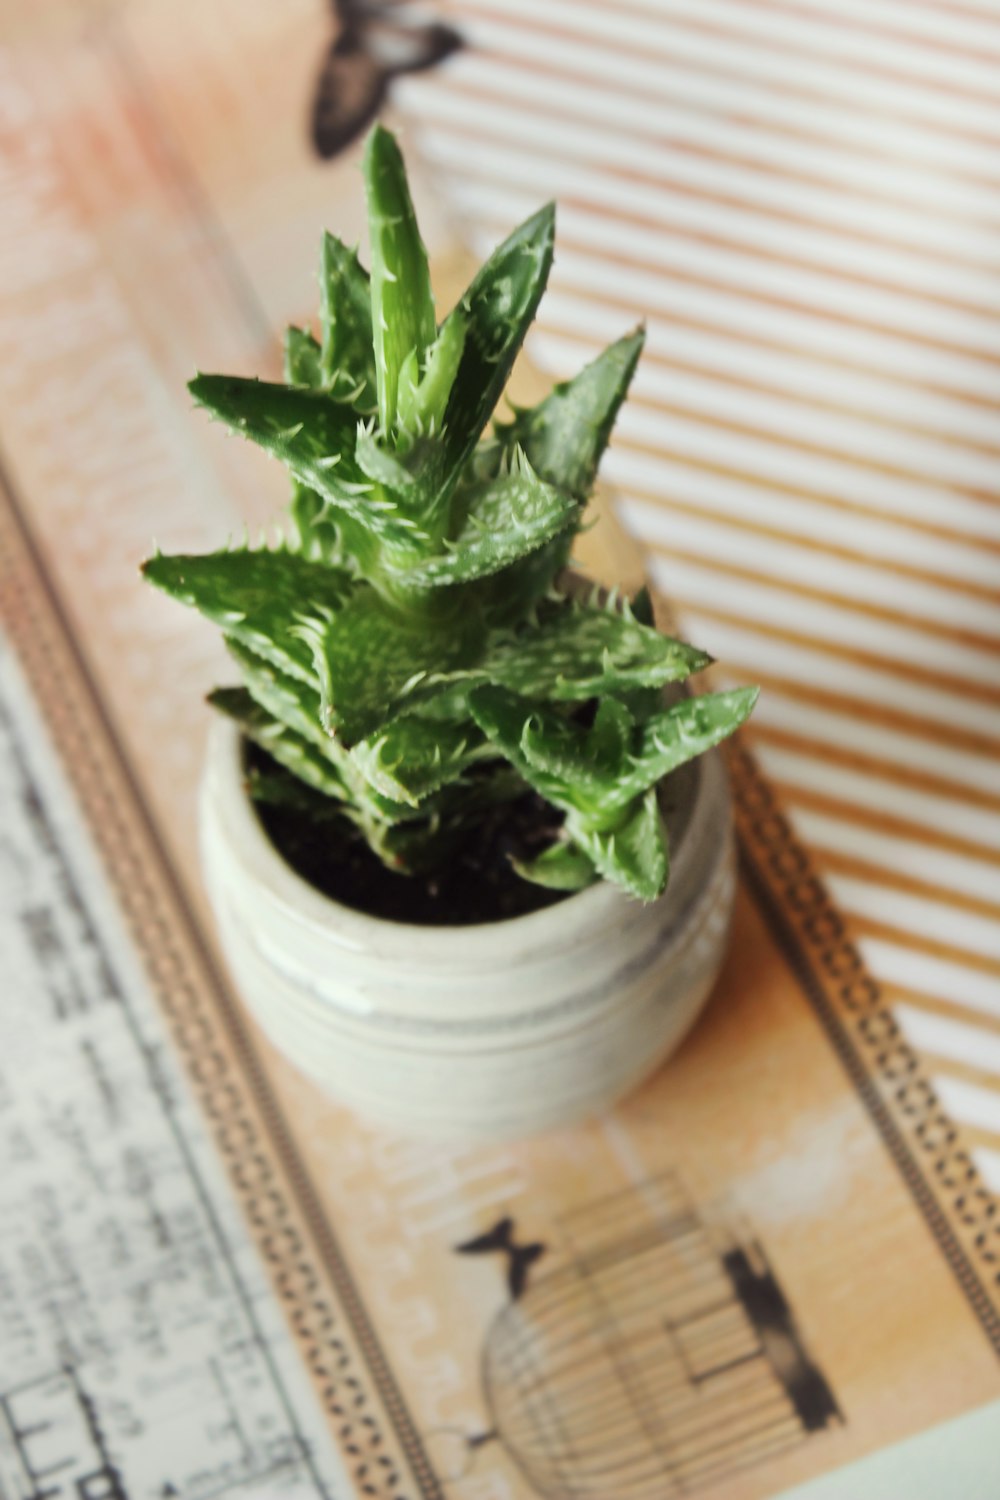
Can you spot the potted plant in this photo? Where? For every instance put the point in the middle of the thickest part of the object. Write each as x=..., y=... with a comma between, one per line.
x=436, y=812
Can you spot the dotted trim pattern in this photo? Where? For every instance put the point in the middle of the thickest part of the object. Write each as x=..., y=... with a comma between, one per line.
x=926, y=1145
x=196, y=1008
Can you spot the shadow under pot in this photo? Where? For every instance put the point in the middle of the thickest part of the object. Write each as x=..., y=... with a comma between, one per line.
x=478, y=1032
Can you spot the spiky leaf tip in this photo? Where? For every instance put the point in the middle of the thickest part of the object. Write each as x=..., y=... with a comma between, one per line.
x=315, y=437
x=633, y=854
x=402, y=305
x=347, y=355
x=497, y=310
x=261, y=598
x=565, y=435
x=425, y=387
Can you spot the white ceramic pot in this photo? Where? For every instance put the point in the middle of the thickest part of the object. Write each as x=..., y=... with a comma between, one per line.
x=480, y=1032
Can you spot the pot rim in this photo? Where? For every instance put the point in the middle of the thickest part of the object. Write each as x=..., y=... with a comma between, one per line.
x=577, y=918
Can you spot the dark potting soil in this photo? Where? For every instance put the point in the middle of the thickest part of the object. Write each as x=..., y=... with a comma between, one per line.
x=479, y=884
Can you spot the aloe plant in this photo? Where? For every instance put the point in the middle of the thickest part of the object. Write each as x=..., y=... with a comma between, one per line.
x=410, y=656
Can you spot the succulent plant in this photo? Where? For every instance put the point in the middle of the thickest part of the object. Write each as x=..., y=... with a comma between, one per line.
x=411, y=657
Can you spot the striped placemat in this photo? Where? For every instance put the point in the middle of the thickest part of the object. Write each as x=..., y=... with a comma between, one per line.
x=800, y=197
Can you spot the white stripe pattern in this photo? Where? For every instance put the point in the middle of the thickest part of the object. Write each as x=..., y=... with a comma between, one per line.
x=802, y=199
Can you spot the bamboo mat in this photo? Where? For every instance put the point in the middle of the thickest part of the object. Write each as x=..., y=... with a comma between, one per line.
x=808, y=459
x=800, y=197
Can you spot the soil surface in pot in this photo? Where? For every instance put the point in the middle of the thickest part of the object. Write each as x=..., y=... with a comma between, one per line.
x=478, y=885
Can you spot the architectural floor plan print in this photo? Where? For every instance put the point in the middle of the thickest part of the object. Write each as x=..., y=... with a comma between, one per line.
x=142, y=1356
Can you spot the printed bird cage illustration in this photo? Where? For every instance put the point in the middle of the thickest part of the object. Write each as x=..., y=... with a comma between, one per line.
x=659, y=1357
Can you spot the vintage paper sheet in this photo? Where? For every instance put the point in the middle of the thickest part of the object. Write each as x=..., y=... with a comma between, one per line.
x=775, y=1260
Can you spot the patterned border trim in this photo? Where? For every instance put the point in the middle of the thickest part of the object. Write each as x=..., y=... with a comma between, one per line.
x=925, y=1145
x=376, y=1434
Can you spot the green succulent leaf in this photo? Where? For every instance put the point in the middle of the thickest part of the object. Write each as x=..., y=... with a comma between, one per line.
x=427, y=843
x=376, y=661
x=643, y=703
x=504, y=717
x=276, y=786
x=582, y=652
x=515, y=593
x=565, y=435
x=297, y=705
x=316, y=533
x=289, y=749
x=261, y=599
x=347, y=361
x=682, y=732
x=558, y=752
x=552, y=752
x=302, y=359
x=634, y=854
x=380, y=464
x=293, y=700
x=414, y=757
x=623, y=839
x=314, y=436
x=322, y=532
x=611, y=735
x=402, y=305
x=237, y=704
x=422, y=397
x=562, y=867
x=577, y=653
x=310, y=516
x=497, y=310
x=559, y=758
x=563, y=438
x=505, y=518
